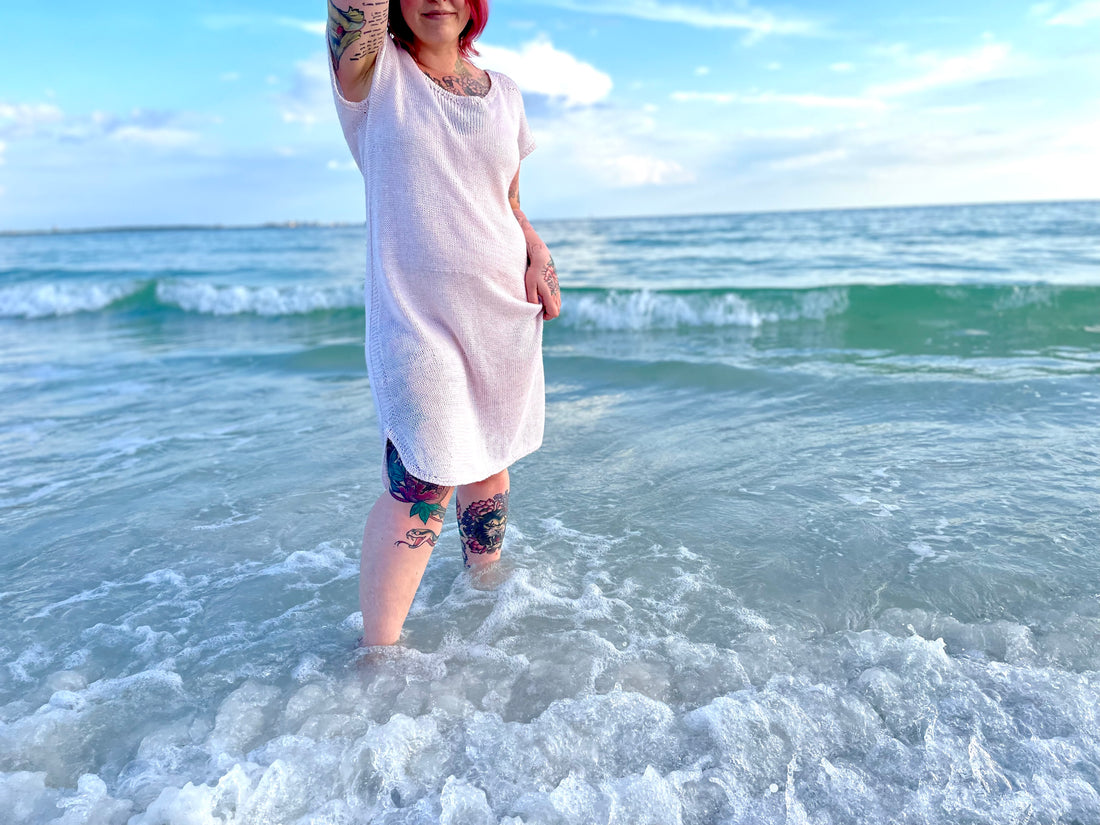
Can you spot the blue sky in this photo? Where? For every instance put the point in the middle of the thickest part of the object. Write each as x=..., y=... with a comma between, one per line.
x=203, y=112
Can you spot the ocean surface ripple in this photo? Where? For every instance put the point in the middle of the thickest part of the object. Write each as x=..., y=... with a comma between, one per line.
x=811, y=539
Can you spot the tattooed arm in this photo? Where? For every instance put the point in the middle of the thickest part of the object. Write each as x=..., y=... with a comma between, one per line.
x=541, y=279
x=355, y=32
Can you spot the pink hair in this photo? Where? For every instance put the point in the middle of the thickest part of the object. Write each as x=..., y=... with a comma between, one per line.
x=479, y=16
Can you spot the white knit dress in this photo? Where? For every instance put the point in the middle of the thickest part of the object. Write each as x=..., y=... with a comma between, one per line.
x=454, y=350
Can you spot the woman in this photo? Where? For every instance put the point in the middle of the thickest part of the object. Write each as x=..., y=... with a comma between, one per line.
x=458, y=284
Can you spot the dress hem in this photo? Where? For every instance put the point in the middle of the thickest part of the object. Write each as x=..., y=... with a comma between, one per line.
x=443, y=481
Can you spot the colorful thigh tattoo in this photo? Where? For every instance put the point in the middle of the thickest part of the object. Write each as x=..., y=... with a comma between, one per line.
x=426, y=498
x=482, y=525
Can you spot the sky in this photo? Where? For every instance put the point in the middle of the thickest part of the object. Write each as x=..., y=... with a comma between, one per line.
x=220, y=112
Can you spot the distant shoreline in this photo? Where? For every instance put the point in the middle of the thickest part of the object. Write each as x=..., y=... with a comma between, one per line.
x=347, y=225
x=181, y=227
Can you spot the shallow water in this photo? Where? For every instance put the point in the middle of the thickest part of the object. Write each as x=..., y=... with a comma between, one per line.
x=812, y=538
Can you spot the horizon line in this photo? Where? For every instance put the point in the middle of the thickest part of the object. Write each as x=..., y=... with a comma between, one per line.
x=314, y=224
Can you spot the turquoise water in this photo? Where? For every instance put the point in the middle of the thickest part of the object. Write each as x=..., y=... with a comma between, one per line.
x=814, y=536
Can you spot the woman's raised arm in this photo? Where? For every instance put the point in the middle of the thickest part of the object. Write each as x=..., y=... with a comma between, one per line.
x=355, y=32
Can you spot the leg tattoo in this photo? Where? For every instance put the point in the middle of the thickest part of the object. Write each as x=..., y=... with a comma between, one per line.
x=424, y=497
x=481, y=526
x=417, y=538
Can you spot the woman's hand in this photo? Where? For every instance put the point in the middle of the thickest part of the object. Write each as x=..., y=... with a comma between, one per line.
x=541, y=278
x=541, y=281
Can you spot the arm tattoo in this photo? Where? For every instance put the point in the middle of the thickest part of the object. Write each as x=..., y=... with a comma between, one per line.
x=344, y=28
x=524, y=224
x=535, y=244
x=424, y=496
x=373, y=44
x=550, y=275
x=359, y=29
x=481, y=526
x=513, y=192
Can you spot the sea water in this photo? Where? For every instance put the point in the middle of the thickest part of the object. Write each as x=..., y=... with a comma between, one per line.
x=814, y=535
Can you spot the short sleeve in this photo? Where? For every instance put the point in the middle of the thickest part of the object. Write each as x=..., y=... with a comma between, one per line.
x=526, y=139
x=353, y=115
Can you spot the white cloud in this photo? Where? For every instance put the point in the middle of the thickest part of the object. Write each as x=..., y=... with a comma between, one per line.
x=963, y=109
x=639, y=170
x=702, y=70
x=1083, y=136
x=1052, y=161
x=161, y=138
x=608, y=147
x=809, y=161
x=307, y=26
x=937, y=71
x=342, y=166
x=934, y=71
x=539, y=68
x=23, y=119
x=163, y=129
x=940, y=163
x=757, y=21
x=809, y=101
x=796, y=133
x=3, y=146
x=230, y=77
x=1080, y=14
x=219, y=22
x=309, y=100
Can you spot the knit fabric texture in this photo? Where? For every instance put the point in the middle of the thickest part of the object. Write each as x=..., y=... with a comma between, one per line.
x=454, y=349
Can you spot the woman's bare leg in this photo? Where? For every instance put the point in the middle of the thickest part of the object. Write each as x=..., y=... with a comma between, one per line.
x=401, y=531
x=482, y=519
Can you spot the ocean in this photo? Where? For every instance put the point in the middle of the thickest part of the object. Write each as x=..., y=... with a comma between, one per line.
x=813, y=537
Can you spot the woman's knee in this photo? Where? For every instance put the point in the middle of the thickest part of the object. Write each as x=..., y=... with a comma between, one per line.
x=482, y=520
x=496, y=483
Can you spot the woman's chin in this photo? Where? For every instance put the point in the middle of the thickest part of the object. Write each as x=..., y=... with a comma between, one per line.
x=437, y=39
x=439, y=31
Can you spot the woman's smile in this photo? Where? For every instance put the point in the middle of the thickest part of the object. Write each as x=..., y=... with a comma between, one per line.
x=436, y=20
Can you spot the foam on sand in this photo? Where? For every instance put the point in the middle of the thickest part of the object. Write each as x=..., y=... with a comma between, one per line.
x=565, y=695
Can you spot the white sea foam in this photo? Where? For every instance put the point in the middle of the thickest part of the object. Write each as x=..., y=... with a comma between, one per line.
x=1026, y=295
x=648, y=310
x=565, y=695
x=644, y=310
x=616, y=310
x=211, y=299
x=862, y=727
x=47, y=300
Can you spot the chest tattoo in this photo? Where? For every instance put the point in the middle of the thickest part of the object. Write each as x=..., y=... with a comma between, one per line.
x=462, y=81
